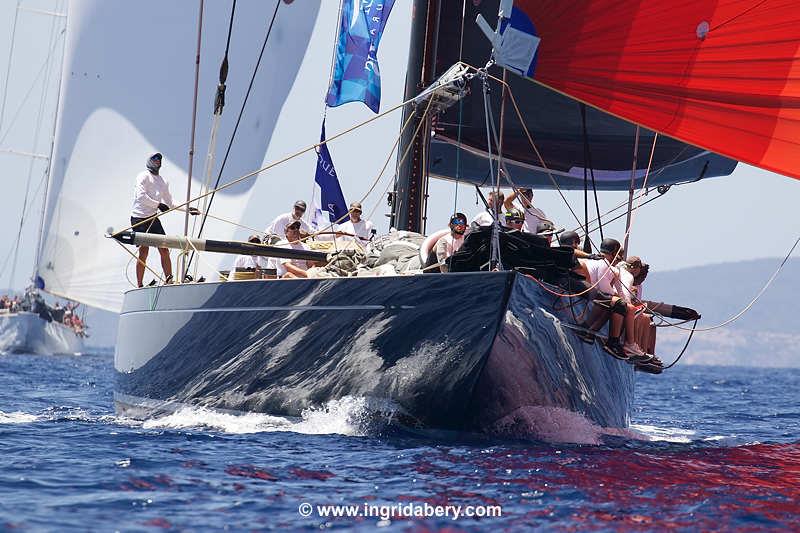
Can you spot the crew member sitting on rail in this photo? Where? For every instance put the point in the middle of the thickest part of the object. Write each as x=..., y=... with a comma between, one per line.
x=292, y=268
x=533, y=215
x=450, y=244
x=632, y=274
x=605, y=277
x=485, y=218
x=278, y=226
x=251, y=263
x=356, y=229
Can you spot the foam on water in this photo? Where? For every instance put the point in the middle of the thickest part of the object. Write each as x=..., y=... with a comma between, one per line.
x=656, y=434
x=350, y=416
x=17, y=417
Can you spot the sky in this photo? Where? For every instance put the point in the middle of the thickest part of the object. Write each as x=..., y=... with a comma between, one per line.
x=750, y=214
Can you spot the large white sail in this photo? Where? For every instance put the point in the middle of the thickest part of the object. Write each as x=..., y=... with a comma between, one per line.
x=127, y=92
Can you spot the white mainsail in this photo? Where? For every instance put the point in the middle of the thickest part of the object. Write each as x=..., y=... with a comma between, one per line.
x=127, y=92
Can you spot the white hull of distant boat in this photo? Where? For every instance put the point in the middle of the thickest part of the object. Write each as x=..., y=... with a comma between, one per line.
x=27, y=333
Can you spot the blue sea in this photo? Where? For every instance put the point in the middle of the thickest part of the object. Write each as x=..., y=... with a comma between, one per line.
x=711, y=448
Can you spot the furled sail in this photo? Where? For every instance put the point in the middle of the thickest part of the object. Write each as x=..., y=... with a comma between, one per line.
x=555, y=121
x=719, y=74
x=127, y=93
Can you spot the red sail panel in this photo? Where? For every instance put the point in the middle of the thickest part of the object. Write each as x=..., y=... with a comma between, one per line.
x=723, y=75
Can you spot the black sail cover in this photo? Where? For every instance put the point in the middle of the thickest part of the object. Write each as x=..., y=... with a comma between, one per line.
x=556, y=125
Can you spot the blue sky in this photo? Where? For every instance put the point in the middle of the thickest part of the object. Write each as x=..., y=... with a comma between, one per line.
x=751, y=214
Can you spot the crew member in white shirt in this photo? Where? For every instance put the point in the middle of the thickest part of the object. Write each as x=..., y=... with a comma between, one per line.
x=255, y=263
x=151, y=195
x=450, y=244
x=485, y=218
x=606, y=278
x=533, y=215
x=356, y=229
x=278, y=226
x=292, y=268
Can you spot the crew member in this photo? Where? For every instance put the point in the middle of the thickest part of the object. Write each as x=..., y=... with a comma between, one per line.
x=533, y=215
x=292, y=268
x=450, y=244
x=151, y=195
x=356, y=229
x=278, y=226
x=254, y=263
x=486, y=218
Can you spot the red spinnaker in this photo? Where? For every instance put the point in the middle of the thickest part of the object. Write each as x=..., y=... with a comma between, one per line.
x=723, y=75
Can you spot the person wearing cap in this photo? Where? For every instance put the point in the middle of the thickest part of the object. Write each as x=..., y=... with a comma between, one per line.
x=278, y=226
x=151, y=196
x=547, y=230
x=291, y=268
x=533, y=215
x=573, y=240
x=451, y=243
x=254, y=263
x=605, y=277
x=514, y=219
x=356, y=229
x=486, y=218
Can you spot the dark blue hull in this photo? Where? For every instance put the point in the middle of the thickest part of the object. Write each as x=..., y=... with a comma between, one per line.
x=466, y=351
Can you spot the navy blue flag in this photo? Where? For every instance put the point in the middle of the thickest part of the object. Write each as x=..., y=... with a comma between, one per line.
x=356, y=77
x=330, y=192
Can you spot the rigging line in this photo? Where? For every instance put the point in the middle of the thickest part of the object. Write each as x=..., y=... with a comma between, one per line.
x=589, y=168
x=460, y=109
x=183, y=266
x=752, y=302
x=239, y=118
x=630, y=189
x=751, y=8
x=31, y=88
x=219, y=104
x=8, y=66
x=494, y=254
x=136, y=258
x=589, y=288
x=273, y=164
x=688, y=340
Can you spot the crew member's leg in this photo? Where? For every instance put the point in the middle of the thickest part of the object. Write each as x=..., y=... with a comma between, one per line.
x=143, y=250
x=166, y=264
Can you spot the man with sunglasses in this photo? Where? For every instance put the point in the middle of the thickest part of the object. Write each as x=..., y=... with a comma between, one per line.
x=449, y=244
x=278, y=226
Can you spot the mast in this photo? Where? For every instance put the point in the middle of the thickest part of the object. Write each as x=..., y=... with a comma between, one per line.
x=182, y=257
x=408, y=199
x=49, y=170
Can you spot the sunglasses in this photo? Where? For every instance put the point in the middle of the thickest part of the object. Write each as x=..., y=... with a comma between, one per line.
x=458, y=222
x=515, y=220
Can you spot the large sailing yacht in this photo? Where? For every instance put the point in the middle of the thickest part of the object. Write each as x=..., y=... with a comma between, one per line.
x=491, y=347
x=27, y=323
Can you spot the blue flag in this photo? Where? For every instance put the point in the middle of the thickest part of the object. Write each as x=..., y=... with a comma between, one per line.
x=331, y=197
x=355, y=74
